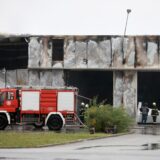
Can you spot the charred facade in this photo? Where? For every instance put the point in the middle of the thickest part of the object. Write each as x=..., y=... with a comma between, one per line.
x=110, y=67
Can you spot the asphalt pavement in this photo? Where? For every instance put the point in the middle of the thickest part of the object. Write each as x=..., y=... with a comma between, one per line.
x=126, y=147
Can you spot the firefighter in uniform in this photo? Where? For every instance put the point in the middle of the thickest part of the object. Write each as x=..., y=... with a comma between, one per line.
x=144, y=109
x=154, y=112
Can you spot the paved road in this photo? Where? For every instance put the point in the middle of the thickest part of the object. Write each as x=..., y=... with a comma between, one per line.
x=127, y=147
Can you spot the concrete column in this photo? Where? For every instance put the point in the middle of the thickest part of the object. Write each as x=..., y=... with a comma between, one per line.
x=125, y=91
x=130, y=92
x=117, y=88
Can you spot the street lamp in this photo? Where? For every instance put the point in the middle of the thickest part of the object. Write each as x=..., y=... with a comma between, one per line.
x=128, y=12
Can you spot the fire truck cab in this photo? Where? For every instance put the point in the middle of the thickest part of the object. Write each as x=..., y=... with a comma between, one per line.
x=39, y=107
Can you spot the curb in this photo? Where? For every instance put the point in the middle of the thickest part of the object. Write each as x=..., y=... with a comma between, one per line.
x=82, y=140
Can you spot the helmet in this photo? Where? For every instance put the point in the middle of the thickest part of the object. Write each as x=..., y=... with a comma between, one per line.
x=82, y=104
x=154, y=103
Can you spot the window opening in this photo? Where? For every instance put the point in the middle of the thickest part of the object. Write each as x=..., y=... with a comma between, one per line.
x=10, y=95
x=57, y=49
x=13, y=54
x=2, y=98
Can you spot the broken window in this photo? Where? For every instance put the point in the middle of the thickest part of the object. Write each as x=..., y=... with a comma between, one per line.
x=92, y=84
x=148, y=88
x=57, y=49
x=13, y=53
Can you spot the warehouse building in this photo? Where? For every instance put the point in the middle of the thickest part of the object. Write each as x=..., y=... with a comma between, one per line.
x=121, y=70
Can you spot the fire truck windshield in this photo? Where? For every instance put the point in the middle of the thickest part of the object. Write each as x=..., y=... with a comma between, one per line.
x=2, y=98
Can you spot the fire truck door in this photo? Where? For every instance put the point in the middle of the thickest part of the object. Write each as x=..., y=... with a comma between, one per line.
x=11, y=99
x=8, y=100
x=2, y=98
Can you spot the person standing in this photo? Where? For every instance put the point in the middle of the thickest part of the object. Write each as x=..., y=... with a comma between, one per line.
x=144, y=109
x=154, y=112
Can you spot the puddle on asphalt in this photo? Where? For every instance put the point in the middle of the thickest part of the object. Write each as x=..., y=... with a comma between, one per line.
x=83, y=148
x=90, y=147
x=151, y=146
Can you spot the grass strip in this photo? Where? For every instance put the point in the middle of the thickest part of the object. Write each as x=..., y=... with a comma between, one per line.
x=35, y=139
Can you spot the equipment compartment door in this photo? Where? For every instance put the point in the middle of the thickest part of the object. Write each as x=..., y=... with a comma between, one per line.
x=30, y=100
x=66, y=101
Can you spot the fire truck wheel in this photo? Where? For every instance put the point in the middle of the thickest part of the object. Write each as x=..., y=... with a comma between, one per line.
x=55, y=122
x=3, y=122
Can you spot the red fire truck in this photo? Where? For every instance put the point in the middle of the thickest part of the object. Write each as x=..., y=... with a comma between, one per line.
x=39, y=107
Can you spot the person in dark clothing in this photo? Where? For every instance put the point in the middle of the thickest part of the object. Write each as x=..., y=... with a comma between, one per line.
x=144, y=109
x=154, y=112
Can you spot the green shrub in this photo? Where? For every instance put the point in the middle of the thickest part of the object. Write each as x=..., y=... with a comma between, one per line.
x=103, y=116
x=121, y=119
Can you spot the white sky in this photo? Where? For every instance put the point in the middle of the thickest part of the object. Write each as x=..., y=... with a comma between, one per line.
x=79, y=17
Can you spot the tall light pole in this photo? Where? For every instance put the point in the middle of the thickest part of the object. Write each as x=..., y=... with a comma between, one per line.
x=128, y=12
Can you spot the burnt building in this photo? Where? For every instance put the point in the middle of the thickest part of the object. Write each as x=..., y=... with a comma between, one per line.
x=121, y=70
